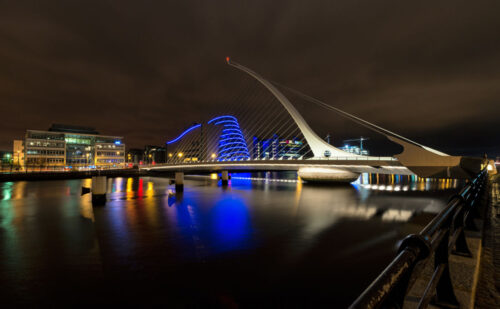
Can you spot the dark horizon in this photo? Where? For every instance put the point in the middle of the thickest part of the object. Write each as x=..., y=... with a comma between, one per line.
x=428, y=71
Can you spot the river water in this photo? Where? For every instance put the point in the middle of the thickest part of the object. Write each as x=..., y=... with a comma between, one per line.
x=265, y=240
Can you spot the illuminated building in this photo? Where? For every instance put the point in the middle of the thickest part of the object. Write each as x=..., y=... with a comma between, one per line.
x=154, y=154
x=276, y=148
x=135, y=155
x=232, y=145
x=225, y=142
x=18, y=153
x=72, y=146
x=355, y=150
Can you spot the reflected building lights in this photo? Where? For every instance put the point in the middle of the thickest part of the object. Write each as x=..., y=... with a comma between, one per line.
x=129, y=191
x=404, y=183
x=150, y=191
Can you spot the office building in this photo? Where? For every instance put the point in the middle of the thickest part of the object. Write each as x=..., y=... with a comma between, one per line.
x=276, y=148
x=72, y=147
x=135, y=156
x=154, y=154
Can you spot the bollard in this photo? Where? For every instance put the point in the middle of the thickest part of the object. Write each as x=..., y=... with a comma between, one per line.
x=99, y=188
x=225, y=178
x=179, y=181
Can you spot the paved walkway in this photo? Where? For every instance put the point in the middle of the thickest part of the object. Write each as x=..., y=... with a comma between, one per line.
x=488, y=289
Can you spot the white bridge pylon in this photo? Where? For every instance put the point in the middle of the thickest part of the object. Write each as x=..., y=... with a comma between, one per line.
x=419, y=159
x=319, y=147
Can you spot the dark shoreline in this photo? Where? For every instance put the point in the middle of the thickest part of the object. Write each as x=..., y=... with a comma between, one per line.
x=33, y=176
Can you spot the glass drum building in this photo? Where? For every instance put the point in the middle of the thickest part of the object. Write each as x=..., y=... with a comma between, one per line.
x=72, y=147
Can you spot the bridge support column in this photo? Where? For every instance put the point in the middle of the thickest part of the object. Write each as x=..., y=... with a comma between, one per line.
x=99, y=189
x=179, y=181
x=225, y=178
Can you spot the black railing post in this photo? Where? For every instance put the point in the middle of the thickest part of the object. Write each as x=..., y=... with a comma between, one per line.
x=445, y=296
x=442, y=236
x=461, y=247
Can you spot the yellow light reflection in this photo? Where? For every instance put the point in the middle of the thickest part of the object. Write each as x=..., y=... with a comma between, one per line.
x=150, y=190
x=87, y=211
x=298, y=193
x=130, y=192
x=214, y=176
x=19, y=190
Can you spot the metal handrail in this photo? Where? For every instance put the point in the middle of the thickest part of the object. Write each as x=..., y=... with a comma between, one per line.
x=443, y=236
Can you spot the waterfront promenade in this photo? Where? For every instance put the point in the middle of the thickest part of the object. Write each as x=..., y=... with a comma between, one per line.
x=488, y=289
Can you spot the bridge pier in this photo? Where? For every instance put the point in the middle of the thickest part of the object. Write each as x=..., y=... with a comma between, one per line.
x=99, y=189
x=225, y=178
x=326, y=175
x=179, y=181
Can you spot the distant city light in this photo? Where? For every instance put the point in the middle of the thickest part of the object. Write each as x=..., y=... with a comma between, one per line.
x=118, y=142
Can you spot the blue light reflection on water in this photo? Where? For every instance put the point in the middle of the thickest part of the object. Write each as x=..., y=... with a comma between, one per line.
x=236, y=232
x=231, y=222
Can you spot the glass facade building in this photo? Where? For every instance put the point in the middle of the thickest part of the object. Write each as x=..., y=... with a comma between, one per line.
x=70, y=146
x=277, y=148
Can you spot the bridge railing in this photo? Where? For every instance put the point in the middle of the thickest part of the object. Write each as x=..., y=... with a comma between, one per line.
x=358, y=158
x=443, y=236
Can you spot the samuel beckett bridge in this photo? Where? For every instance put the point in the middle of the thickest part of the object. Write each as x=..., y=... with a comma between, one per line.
x=232, y=142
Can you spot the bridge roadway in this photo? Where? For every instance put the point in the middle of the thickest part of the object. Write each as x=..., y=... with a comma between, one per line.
x=356, y=165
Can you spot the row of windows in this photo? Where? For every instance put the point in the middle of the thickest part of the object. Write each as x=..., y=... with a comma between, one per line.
x=47, y=136
x=44, y=160
x=109, y=146
x=79, y=141
x=45, y=144
x=109, y=153
x=45, y=152
x=110, y=161
x=77, y=161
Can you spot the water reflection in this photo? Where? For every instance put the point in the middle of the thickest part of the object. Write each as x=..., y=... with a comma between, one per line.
x=404, y=183
x=258, y=232
x=231, y=222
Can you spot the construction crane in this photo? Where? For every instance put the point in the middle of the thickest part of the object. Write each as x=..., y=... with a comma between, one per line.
x=360, y=140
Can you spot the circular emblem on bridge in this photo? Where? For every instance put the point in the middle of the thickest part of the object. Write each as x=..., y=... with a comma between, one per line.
x=327, y=153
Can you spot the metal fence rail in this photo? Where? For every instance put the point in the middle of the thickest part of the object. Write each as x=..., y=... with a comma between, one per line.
x=443, y=236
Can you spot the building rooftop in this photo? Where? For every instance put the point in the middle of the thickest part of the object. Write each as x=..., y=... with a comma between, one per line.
x=73, y=129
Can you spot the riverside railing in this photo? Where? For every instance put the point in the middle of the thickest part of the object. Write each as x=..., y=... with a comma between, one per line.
x=38, y=168
x=443, y=236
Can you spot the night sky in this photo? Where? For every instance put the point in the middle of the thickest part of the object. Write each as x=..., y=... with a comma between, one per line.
x=429, y=70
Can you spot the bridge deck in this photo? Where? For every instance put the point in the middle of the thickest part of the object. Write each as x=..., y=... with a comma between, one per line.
x=360, y=166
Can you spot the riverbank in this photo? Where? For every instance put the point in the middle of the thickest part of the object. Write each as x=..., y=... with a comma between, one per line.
x=61, y=175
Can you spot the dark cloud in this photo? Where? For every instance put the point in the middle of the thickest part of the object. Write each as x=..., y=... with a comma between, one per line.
x=145, y=69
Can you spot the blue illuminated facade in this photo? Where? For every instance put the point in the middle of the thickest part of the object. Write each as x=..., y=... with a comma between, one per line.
x=232, y=145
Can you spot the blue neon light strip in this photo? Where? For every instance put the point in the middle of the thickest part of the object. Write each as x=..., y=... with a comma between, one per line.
x=230, y=122
x=242, y=144
x=242, y=150
x=216, y=118
x=184, y=133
